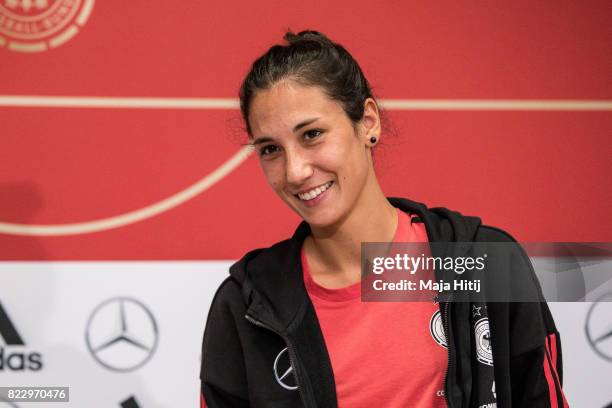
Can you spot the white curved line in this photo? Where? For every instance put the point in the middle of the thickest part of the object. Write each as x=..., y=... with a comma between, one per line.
x=117, y=102
x=230, y=103
x=85, y=12
x=497, y=104
x=136, y=215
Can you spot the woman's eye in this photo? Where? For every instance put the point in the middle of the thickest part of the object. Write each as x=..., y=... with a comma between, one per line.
x=269, y=149
x=311, y=134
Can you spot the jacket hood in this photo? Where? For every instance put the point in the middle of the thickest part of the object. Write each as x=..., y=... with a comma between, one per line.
x=271, y=278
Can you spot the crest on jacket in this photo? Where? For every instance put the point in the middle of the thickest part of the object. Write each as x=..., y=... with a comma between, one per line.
x=436, y=329
x=484, y=353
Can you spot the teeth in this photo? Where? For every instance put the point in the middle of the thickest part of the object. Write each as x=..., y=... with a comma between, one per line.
x=309, y=195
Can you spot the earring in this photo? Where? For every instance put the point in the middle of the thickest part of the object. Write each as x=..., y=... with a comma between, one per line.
x=373, y=140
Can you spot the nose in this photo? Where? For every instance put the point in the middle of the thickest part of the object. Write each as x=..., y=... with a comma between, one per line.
x=298, y=168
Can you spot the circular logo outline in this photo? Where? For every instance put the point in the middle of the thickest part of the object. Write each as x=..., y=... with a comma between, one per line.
x=279, y=379
x=593, y=342
x=484, y=353
x=93, y=351
x=52, y=27
x=436, y=329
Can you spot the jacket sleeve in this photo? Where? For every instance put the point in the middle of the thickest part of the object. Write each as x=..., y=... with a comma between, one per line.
x=223, y=373
x=528, y=369
x=553, y=364
x=538, y=368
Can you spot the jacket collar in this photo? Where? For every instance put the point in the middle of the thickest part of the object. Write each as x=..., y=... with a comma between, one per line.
x=271, y=278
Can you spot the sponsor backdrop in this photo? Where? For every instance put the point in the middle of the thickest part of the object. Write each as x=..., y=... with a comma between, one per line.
x=125, y=191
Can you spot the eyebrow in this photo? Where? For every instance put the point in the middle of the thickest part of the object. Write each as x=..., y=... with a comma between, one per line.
x=304, y=123
x=297, y=127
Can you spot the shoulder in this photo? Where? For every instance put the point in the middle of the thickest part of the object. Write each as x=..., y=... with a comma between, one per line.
x=227, y=301
x=259, y=268
x=270, y=261
x=504, y=242
x=227, y=290
x=511, y=271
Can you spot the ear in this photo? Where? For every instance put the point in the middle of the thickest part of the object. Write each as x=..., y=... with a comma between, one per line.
x=370, y=122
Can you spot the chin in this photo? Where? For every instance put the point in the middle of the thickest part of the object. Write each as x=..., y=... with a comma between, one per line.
x=325, y=219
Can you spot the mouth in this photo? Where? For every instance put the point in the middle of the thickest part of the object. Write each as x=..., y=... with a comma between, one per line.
x=314, y=193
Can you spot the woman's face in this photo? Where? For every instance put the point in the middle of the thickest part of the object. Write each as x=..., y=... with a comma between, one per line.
x=310, y=153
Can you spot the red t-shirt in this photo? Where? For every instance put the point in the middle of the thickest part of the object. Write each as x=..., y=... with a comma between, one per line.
x=383, y=354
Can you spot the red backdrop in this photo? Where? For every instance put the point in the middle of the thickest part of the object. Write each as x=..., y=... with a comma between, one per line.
x=542, y=175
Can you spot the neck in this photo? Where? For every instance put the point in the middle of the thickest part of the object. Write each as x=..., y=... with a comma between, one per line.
x=334, y=252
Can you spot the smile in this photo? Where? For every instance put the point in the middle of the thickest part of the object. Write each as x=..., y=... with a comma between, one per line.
x=315, y=192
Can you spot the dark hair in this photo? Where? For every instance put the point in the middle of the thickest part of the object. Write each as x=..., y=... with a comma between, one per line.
x=309, y=58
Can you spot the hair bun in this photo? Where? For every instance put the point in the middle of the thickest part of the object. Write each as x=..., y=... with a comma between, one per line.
x=306, y=35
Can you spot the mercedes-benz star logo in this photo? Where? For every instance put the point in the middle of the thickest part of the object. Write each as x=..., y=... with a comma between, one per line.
x=283, y=371
x=121, y=334
x=598, y=326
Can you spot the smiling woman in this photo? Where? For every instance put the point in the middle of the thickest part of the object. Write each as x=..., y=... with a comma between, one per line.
x=288, y=327
x=312, y=154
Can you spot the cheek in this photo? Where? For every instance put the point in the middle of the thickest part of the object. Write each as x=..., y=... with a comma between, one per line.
x=349, y=156
x=273, y=175
x=350, y=147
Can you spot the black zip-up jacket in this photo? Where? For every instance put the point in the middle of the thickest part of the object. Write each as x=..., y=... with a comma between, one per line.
x=263, y=346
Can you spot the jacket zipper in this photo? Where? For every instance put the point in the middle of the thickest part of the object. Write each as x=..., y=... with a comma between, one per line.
x=292, y=357
x=450, y=360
